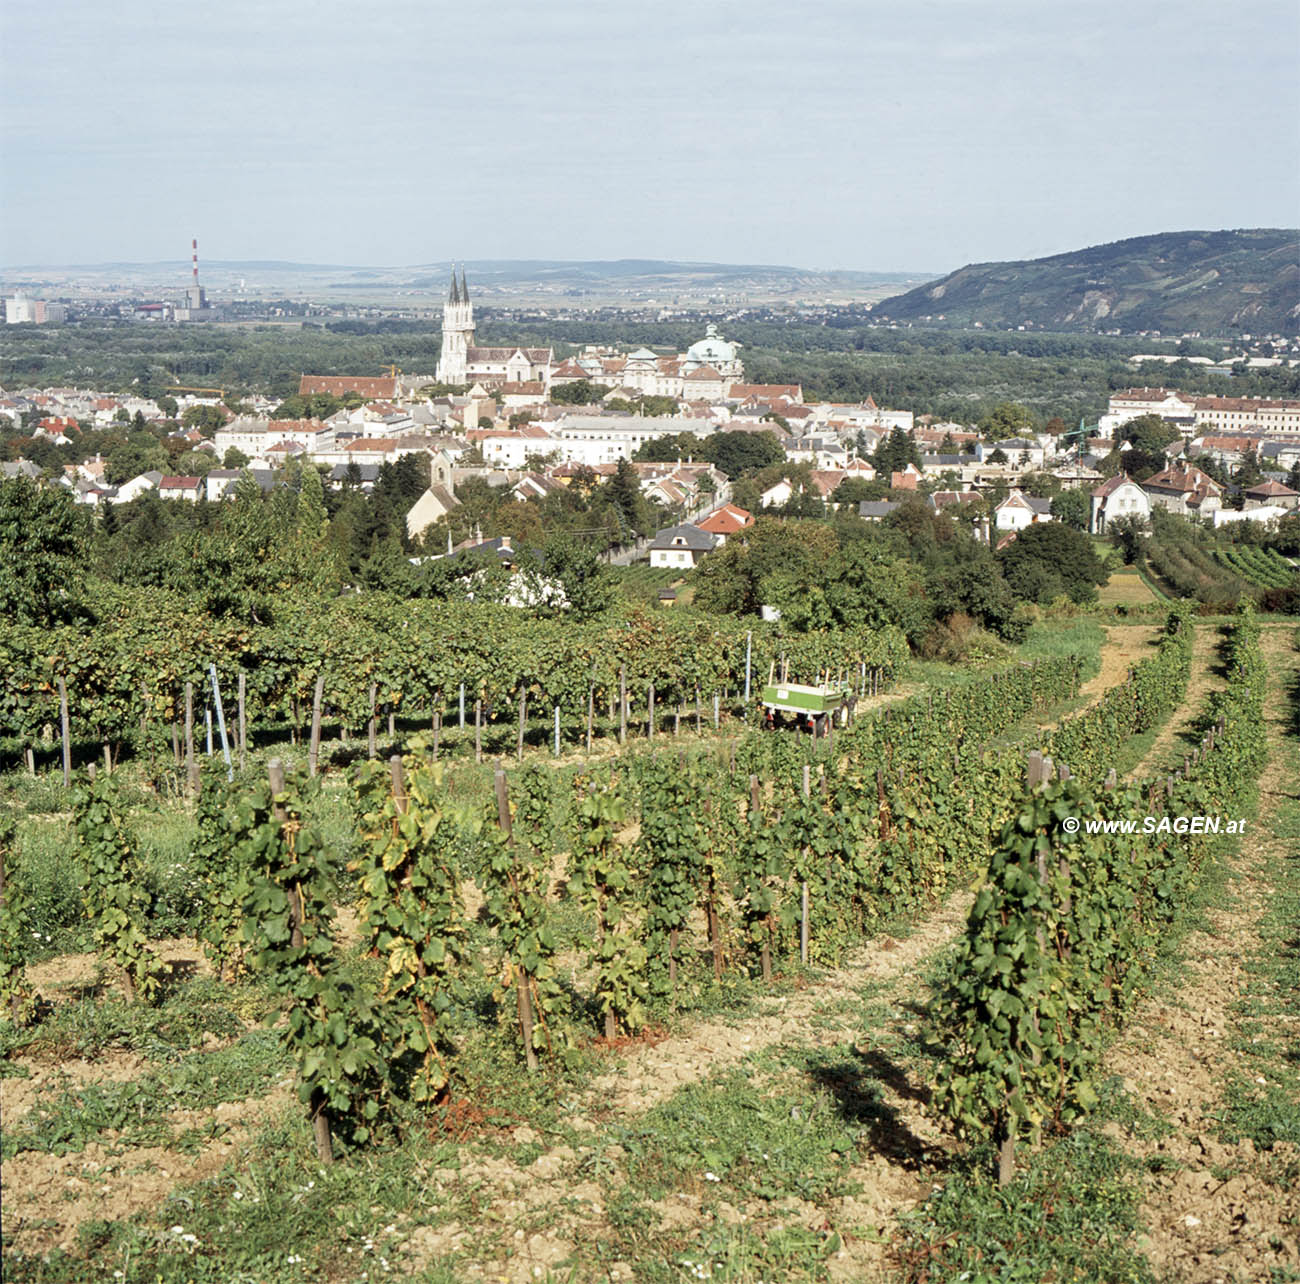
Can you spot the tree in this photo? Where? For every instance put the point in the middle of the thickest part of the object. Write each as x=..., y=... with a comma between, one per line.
x=1149, y=434
x=854, y=490
x=738, y=453
x=581, y=392
x=1129, y=535
x=673, y=446
x=625, y=491
x=1048, y=554
x=196, y=463
x=1073, y=508
x=207, y=419
x=895, y=452
x=42, y=543
x=1008, y=419
x=235, y=458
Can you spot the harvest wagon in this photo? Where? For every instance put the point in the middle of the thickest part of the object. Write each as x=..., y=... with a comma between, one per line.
x=812, y=707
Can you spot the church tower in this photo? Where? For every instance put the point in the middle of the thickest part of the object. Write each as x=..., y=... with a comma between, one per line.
x=457, y=333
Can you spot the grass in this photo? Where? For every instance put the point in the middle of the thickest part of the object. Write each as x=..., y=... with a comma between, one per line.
x=1260, y=1099
x=136, y=1111
x=1126, y=587
x=1071, y=1214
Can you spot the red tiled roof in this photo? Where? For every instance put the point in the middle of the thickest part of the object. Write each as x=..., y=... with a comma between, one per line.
x=726, y=520
x=337, y=385
x=373, y=443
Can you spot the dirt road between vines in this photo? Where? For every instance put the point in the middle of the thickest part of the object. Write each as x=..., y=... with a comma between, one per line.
x=1212, y=1217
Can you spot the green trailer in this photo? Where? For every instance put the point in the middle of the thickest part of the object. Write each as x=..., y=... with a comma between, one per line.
x=813, y=706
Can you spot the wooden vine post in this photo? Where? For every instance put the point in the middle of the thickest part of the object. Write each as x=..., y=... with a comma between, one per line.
x=67, y=738
x=243, y=721
x=765, y=950
x=803, y=885
x=372, y=727
x=591, y=713
x=650, y=706
x=320, y=1124
x=523, y=718
x=523, y=986
x=478, y=730
x=622, y=704
x=191, y=764
x=318, y=698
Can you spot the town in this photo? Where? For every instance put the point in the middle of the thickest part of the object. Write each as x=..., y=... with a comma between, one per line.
x=528, y=425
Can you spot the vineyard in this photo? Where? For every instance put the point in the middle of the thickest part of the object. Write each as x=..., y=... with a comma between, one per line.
x=1265, y=567
x=154, y=669
x=436, y=957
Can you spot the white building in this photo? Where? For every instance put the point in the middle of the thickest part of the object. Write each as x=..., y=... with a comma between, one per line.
x=513, y=448
x=605, y=439
x=1119, y=497
x=1019, y=510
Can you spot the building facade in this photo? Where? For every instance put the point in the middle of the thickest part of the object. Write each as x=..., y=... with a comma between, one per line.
x=462, y=361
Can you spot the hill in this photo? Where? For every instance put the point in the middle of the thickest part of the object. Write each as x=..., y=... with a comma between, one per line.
x=1175, y=282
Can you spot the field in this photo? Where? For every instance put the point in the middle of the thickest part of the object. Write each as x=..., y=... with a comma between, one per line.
x=771, y=1110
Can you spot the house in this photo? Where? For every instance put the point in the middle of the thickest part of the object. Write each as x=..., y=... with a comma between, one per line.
x=680, y=546
x=437, y=501
x=186, y=488
x=876, y=510
x=137, y=486
x=1132, y=403
x=1265, y=513
x=512, y=447
x=364, y=475
x=220, y=483
x=1020, y=452
x=1271, y=493
x=1119, y=497
x=942, y=499
x=725, y=521
x=907, y=479
x=1184, y=489
x=777, y=494
x=535, y=486
x=1019, y=510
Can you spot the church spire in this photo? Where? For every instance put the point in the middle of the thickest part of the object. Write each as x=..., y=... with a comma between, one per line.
x=464, y=289
x=454, y=297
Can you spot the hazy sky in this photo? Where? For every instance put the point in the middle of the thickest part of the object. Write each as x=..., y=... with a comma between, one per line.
x=870, y=134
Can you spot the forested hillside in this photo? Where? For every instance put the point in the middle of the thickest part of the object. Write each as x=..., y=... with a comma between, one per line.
x=1213, y=282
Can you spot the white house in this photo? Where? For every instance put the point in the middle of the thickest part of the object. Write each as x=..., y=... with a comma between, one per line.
x=136, y=487
x=680, y=546
x=1119, y=497
x=1020, y=452
x=1019, y=510
x=512, y=447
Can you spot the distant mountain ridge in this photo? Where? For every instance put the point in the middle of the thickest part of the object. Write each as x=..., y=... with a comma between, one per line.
x=1175, y=282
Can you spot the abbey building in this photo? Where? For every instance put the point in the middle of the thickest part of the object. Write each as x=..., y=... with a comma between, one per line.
x=463, y=362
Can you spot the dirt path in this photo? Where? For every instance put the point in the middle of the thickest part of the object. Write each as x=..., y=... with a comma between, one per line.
x=1125, y=646
x=1177, y=734
x=1211, y=1217
x=559, y=1207
x=651, y=1074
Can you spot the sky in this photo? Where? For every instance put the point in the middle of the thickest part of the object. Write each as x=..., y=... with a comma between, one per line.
x=878, y=135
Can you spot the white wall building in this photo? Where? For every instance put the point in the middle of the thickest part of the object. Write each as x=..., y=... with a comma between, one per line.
x=605, y=439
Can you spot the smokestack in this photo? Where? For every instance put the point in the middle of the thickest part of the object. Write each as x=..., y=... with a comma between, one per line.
x=194, y=258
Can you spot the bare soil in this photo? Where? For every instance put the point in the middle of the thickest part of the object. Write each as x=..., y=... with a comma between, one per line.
x=1165, y=749
x=1212, y=1218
